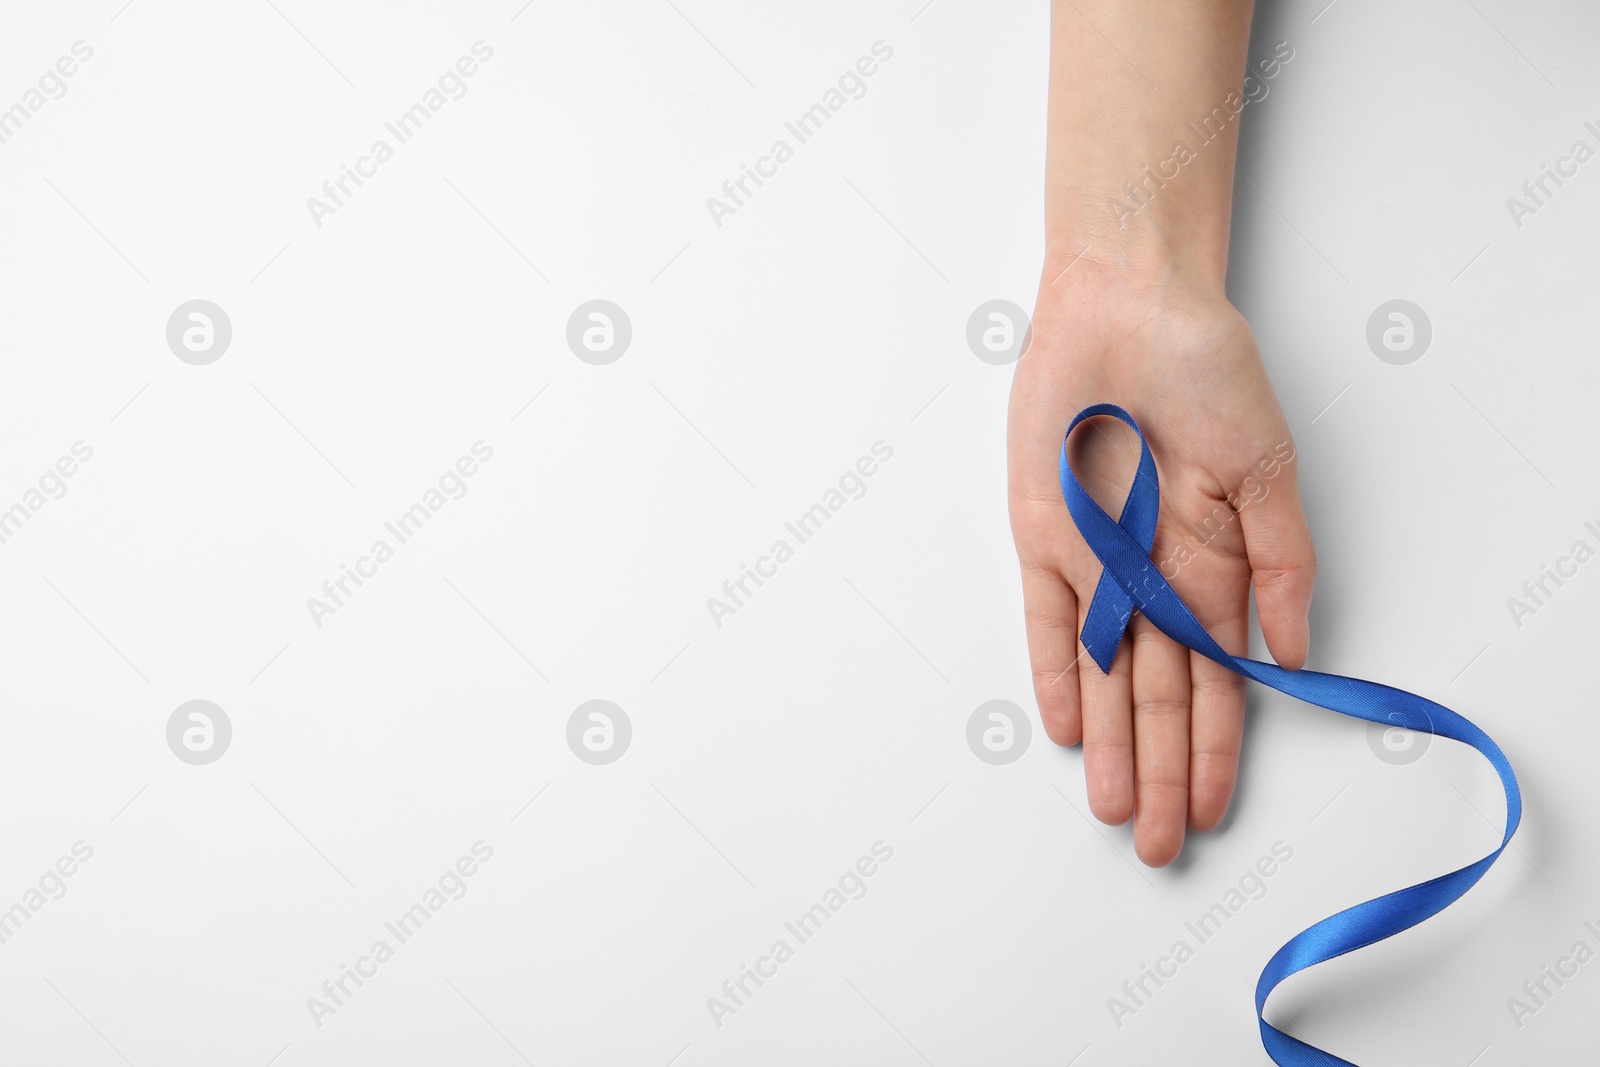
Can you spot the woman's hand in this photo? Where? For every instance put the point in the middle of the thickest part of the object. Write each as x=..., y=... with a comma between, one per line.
x=1161, y=733
x=1145, y=104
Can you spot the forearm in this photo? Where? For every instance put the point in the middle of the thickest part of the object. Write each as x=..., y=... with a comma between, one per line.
x=1143, y=129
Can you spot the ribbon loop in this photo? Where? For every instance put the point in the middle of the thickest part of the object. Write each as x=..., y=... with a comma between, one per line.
x=1112, y=608
x=1131, y=582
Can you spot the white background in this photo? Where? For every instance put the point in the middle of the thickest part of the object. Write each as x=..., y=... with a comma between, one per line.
x=768, y=354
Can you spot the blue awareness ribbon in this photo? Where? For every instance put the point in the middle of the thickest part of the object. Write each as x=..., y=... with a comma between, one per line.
x=1130, y=582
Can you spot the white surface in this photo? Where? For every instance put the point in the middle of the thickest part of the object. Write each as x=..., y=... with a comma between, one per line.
x=369, y=754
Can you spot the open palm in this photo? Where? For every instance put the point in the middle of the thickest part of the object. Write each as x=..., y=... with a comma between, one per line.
x=1162, y=731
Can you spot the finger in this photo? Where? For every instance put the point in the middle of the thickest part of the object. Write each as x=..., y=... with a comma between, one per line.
x=1051, y=612
x=1161, y=743
x=1217, y=723
x=1283, y=569
x=1107, y=701
x=1215, y=580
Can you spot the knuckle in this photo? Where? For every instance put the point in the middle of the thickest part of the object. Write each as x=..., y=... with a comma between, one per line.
x=1145, y=634
x=1038, y=617
x=1157, y=790
x=1048, y=678
x=1224, y=686
x=1107, y=749
x=1161, y=707
x=1288, y=569
x=1217, y=767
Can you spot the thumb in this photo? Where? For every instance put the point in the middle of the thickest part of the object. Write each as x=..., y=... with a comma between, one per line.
x=1283, y=565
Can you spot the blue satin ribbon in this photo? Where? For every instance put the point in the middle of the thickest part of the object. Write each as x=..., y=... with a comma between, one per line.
x=1131, y=582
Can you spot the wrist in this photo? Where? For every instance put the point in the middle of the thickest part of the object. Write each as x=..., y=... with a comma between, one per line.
x=1089, y=254
x=1149, y=220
